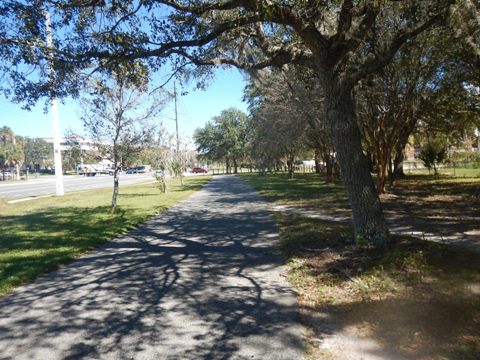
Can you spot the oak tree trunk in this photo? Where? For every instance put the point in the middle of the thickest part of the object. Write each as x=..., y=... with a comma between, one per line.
x=368, y=219
x=290, y=166
x=399, y=149
x=398, y=165
x=328, y=169
x=227, y=165
x=381, y=178
x=235, y=166
x=382, y=170
x=318, y=159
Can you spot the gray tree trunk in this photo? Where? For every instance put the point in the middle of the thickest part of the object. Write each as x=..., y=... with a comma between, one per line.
x=235, y=166
x=398, y=165
x=227, y=165
x=400, y=147
x=368, y=219
x=115, y=189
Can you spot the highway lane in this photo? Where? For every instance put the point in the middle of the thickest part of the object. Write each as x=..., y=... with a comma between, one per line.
x=45, y=185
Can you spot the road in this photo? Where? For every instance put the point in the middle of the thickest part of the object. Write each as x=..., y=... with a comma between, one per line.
x=46, y=184
x=199, y=281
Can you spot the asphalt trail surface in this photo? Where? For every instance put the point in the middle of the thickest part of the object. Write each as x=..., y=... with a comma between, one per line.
x=197, y=282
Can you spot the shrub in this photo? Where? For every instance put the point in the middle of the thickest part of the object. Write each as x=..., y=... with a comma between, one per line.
x=434, y=153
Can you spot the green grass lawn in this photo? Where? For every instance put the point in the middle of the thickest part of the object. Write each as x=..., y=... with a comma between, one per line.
x=449, y=171
x=40, y=235
x=305, y=190
x=417, y=298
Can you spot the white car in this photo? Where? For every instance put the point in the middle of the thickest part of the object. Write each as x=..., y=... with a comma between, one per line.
x=4, y=175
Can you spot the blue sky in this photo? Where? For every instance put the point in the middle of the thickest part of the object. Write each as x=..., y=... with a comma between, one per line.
x=195, y=109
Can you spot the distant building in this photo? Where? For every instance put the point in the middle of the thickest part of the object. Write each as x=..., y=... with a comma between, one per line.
x=67, y=143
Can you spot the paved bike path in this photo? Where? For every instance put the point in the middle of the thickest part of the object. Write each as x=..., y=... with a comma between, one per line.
x=197, y=282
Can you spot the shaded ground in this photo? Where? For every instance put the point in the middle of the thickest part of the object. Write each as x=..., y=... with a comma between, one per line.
x=447, y=207
x=198, y=282
x=442, y=209
x=413, y=300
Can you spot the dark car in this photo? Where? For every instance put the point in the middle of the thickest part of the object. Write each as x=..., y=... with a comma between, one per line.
x=132, y=171
x=196, y=170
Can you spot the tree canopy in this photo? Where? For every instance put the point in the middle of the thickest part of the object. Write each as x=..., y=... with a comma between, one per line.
x=224, y=138
x=349, y=38
x=37, y=151
x=11, y=150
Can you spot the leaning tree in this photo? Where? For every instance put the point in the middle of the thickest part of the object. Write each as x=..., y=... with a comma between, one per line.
x=341, y=41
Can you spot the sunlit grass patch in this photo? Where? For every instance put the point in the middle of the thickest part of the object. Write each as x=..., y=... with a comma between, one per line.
x=457, y=172
x=306, y=190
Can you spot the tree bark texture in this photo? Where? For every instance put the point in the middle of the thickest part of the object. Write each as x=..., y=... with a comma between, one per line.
x=318, y=160
x=398, y=165
x=227, y=165
x=368, y=219
x=328, y=169
x=235, y=166
x=115, y=189
x=400, y=148
x=163, y=182
x=383, y=160
x=290, y=165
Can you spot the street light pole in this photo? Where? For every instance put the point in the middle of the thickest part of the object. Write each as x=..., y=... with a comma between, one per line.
x=57, y=154
x=176, y=115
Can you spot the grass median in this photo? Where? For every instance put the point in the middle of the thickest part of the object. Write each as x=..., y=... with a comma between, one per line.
x=414, y=299
x=40, y=235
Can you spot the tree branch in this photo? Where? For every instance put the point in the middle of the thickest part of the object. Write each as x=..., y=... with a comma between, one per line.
x=344, y=20
x=339, y=42
x=382, y=59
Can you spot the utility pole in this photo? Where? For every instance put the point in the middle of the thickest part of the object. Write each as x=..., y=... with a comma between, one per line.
x=176, y=114
x=57, y=154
